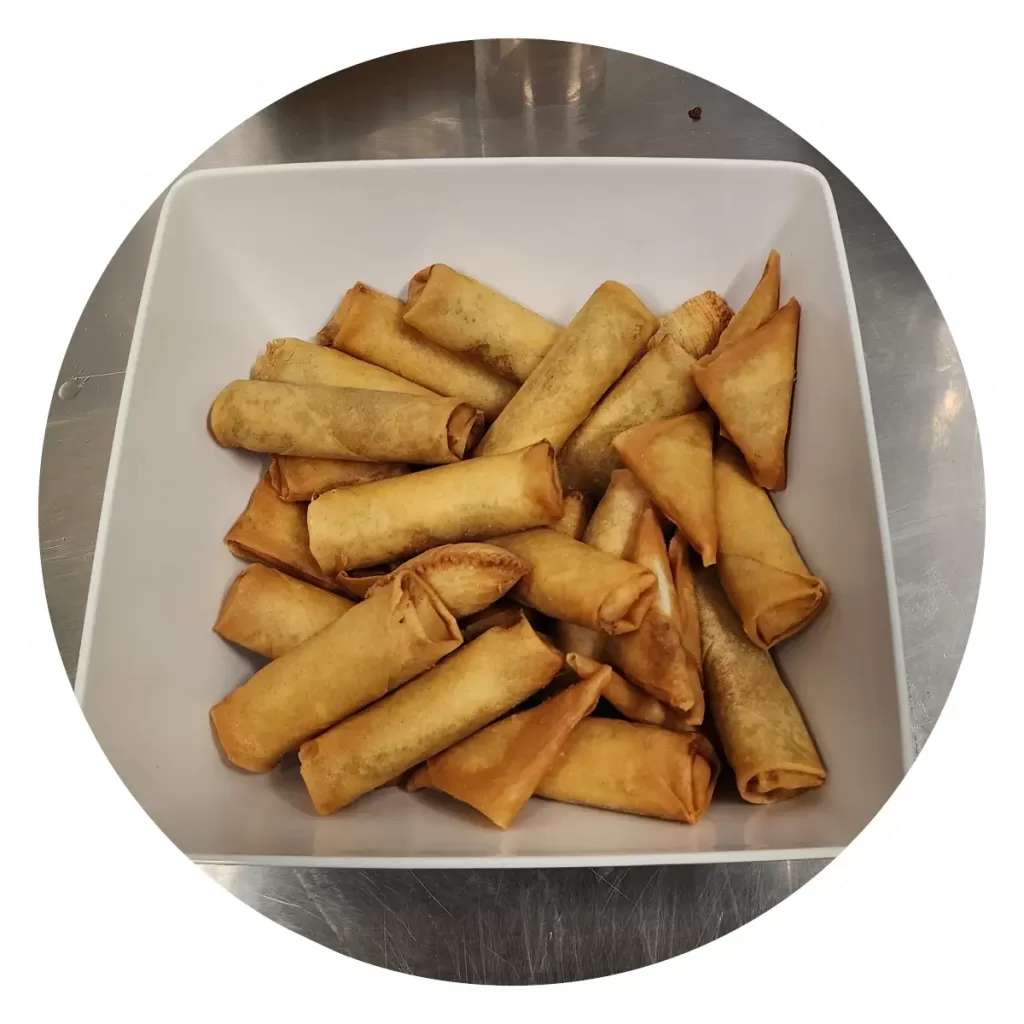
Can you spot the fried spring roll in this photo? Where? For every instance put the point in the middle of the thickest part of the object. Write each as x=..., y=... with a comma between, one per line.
x=466, y=577
x=368, y=324
x=660, y=385
x=467, y=317
x=574, y=515
x=768, y=583
x=455, y=699
x=300, y=479
x=368, y=525
x=614, y=523
x=761, y=729
x=762, y=305
x=654, y=656
x=638, y=769
x=374, y=647
x=686, y=595
x=586, y=359
x=571, y=581
x=697, y=324
x=292, y=361
x=611, y=530
x=497, y=769
x=319, y=421
x=627, y=699
x=672, y=459
x=749, y=384
x=269, y=612
x=274, y=532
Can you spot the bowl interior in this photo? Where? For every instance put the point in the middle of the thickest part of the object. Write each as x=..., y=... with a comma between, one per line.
x=243, y=256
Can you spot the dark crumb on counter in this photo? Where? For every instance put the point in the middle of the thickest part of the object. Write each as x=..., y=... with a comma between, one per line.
x=695, y=113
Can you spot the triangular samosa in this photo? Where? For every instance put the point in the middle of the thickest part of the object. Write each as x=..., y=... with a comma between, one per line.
x=762, y=305
x=749, y=385
x=672, y=459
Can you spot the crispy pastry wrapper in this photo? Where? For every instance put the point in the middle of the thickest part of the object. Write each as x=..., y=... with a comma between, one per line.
x=586, y=359
x=629, y=700
x=372, y=524
x=466, y=577
x=376, y=646
x=610, y=529
x=638, y=769
x=696, y=325
x=320, y=421
x=762, y=572
x=571, y=581
x=654, y=656
x=269, y=612
x=274, y=532
x=292, y=361
x=749, y=384
x=574, y=515
x=477, y=322
x=760, y=727
x=672, y=459
x=660, y=385
x=368, y=325
x=296, y=478
x=762, y=305
x=456, y=698
x=497, y=769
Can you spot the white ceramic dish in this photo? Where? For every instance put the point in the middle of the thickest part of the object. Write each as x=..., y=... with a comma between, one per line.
x=245, y=255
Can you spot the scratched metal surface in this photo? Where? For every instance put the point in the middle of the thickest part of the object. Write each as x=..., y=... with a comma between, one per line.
x=513, y=98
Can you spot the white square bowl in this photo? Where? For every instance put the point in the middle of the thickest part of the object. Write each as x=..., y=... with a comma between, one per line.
x=245, y=255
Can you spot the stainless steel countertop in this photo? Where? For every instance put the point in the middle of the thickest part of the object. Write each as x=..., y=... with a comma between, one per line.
x=553, y=99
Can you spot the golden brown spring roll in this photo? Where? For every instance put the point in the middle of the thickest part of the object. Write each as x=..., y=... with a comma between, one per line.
x=466, y=577
x=672, y=459
x=377, y=645
x=497, y=769
x=629, y=700
x=302, y=362
x=269, y=612
x=697, y=324
x=660, y=385
x=467, y=317
x=761, y=729
x=357, y=527
x=611, y=530
x=274, y=532
x=319, y=421
x=614, y=523
x=299, y=479
x=767, y=581
x=686, y=595
x=368, y=324
x=586, y=359
x=574, y=515
x=749, y=384
x=654, y=656
x=455, y=699
x=638, y=769
x=571, y=581
x=760, y=307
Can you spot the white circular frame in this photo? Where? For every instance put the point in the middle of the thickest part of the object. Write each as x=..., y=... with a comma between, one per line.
x=26, y=511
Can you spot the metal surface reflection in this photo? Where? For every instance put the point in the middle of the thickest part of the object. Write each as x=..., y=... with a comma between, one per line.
x=518, y=97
